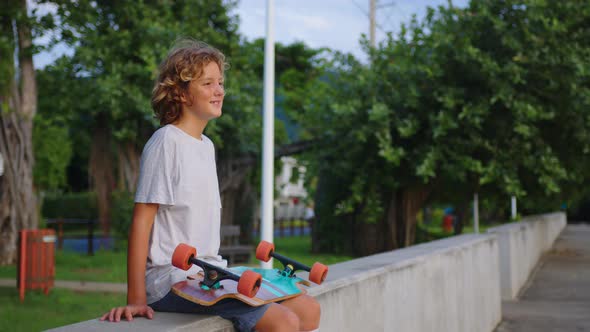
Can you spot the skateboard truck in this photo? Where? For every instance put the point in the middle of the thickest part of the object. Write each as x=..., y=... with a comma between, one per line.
x=317, y=273
x=185, y=256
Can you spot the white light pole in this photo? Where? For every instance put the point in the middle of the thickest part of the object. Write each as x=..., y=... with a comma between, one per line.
x=268, y=132
x=475, y=214
x=513, y=207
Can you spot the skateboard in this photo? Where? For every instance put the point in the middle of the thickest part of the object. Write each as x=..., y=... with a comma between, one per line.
x=252, y=286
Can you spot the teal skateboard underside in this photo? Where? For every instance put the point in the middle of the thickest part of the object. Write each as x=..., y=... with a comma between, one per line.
x=273, y=277
x=274, y=287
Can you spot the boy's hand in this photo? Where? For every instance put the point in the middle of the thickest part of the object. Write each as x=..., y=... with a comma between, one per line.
x=128, y=312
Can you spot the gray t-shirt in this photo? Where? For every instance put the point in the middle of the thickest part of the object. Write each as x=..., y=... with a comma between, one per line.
x=178, y=172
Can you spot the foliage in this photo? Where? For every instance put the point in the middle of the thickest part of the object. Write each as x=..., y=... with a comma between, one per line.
x=490, y=99
x=118, y=48
x=69, y=205
x=53, y=150
x=122, y=212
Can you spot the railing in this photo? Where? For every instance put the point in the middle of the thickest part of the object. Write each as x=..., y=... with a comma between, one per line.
x=59, y=224
x=290, y=220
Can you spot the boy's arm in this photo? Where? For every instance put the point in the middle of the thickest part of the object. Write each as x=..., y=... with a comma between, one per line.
x=139, y=235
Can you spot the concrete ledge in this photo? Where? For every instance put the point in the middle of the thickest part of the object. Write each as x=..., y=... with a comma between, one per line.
x=163, y=321
x=447, y=285
x=521, y=245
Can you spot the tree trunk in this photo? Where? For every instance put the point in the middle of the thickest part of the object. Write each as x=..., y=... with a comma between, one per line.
x=400, y=218
x=18, y=105
x=18, y=204
x=460, y=217
x=101, y=171
x=367, y=238
x=232, y=174
x=128, y=158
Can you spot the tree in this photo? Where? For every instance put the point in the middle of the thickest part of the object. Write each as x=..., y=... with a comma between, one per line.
x=466, y=99
x=118, y=47
x=18, y=105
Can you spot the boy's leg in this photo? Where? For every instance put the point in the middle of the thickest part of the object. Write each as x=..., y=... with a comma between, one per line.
x=242, y=316
x=278, y=318
x=307, y=309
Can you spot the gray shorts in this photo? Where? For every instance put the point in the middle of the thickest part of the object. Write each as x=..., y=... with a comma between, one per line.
x=242, y=316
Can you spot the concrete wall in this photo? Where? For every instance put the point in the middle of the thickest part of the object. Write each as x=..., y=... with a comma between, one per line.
x=446, y=285
x=455, y=284
x=521, y=245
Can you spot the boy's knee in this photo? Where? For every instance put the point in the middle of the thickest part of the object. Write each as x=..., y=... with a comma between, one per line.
x=291, y=321
x=278, y=318
x=288, y=321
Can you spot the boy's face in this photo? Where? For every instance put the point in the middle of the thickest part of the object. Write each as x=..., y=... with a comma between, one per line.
x=205, y=94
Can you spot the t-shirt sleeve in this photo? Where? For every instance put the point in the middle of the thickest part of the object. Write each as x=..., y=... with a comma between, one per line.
x=157, y=173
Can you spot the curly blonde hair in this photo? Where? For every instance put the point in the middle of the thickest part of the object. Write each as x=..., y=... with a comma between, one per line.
x=184, y=63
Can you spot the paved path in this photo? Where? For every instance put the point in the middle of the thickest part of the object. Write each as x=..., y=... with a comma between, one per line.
x=87, y=286
x=557, y=298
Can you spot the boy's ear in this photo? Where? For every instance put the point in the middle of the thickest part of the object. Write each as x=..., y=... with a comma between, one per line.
x=184, y=97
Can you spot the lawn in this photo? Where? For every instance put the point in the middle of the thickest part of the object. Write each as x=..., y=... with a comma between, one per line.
x=111, y=266
x=60, y=307
x=106, y=266
x=298, y=248
x=63, y=307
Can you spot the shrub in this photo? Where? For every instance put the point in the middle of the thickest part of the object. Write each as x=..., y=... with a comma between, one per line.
x=81, y=205
x=122, y=212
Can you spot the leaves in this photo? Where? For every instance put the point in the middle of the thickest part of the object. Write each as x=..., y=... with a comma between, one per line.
x=492, y=98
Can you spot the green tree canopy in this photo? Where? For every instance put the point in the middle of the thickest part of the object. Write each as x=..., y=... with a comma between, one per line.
x=491, y=99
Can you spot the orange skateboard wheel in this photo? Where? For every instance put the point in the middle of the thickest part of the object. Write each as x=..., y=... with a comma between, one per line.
x=182, y=254
x=264, y=250
x=249, y=283
x=318, y=273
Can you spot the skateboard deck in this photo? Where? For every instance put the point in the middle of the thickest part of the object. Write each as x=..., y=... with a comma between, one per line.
x=275, y=287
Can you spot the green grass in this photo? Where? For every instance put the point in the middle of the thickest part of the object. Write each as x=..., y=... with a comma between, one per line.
x=111, y=266
x=434, y=231
x=105, y=266
x=299, y=249
x=61, y=307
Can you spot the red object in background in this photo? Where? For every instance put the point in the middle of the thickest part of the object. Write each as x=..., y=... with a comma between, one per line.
x=36, y=260
x=448, y=223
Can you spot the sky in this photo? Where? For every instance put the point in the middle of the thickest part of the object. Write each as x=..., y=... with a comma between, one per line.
x=336, y=24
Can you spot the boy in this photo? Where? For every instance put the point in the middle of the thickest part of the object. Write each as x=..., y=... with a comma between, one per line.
x=177, y=201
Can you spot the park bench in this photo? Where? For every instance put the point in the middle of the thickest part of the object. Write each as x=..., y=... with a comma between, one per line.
x=230, y=248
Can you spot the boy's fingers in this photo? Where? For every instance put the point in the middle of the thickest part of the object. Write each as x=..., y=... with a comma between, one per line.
x=115, y=314
x=128, y=314
x=119, y=313
x=112, y=315
x=150, y=313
